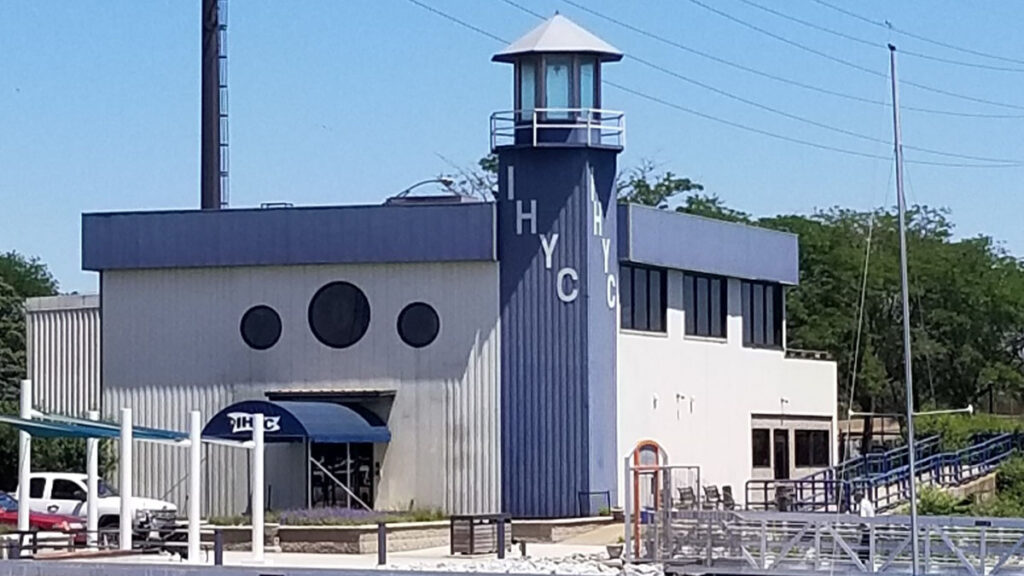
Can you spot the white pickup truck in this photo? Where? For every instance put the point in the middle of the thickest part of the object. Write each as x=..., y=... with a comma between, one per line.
x=65, y=493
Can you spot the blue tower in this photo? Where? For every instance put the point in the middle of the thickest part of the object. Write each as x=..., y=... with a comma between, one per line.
x=558, y=258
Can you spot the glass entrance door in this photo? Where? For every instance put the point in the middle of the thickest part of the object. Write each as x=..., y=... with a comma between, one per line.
x=781, y=454
x=350, y=465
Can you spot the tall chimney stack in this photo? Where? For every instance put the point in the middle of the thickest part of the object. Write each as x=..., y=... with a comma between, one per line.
x=212, y=177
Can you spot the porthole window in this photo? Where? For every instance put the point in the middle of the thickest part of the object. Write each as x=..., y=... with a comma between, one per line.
x=418, y=324
x=260, y=327
x=339, y=314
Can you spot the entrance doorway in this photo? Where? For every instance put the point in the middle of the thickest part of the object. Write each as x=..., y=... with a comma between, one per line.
x=348, y=464
x=781, y=453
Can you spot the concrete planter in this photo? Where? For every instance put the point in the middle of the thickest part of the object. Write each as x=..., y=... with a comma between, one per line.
x=541, y=531
x=362, y=539
x=240, y=537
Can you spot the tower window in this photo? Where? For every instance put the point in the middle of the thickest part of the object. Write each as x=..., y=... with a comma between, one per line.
x=642, y=298
x=339, y=314
x=527, y=87
x=587, y=83
x=418, y=324
x=557, y=84
x=260, y=327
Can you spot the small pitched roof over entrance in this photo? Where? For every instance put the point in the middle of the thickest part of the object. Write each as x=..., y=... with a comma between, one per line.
x=323, y=422
x=559, y=34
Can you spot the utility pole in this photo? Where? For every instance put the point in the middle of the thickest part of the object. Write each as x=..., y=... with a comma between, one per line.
x=907, y=362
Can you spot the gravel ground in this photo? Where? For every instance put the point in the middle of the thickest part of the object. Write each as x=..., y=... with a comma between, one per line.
x=577, y=564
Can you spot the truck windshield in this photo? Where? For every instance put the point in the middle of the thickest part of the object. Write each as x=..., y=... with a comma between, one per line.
x=104, y=489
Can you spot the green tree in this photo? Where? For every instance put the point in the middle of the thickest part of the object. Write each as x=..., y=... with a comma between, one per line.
x=22, y=278
x=643, y=186
x=29, y=277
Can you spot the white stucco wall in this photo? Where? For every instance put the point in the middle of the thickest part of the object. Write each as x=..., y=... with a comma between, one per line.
x=696, y=397
x=171, y=343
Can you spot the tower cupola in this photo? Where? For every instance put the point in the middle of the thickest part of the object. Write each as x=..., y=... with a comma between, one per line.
x=557, y=87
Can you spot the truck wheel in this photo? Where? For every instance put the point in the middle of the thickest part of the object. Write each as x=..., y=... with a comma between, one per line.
x=108, y=526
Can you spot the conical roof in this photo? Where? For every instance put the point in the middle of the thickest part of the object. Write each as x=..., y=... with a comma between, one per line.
x=559, y=34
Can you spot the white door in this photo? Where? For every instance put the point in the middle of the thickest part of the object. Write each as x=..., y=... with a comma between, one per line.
x=66, y=497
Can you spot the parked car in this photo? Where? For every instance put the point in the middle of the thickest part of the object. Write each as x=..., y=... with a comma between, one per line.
x=65, y=493
x=39, y=521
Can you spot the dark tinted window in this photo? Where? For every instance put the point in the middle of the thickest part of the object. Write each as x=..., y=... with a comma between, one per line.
x=64, y=490
x=339, y=314
x=762, y=314
x=642, y=300
x=761, y=448
x=704, y=303
x=260, y=327
x=36, y=487
x=812, y=448
x=418, y=324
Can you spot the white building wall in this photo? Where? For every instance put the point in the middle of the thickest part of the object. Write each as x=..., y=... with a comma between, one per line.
x=172, y=344
x=696, y=396
x=63, y=353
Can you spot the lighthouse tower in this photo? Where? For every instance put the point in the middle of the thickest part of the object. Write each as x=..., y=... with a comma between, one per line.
x=558, y=259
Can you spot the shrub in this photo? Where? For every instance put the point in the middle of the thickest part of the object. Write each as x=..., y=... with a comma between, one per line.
x=932, y=501
x=957, y=430
x=333, y=517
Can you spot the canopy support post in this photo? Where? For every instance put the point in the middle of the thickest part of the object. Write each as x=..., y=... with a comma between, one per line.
x=25, y=458
x=127, y=515
x=257, y=487
x=195, y=491
x=92, y=459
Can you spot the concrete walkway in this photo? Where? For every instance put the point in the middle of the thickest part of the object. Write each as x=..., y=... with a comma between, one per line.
x=397, y=560
x=603, y=536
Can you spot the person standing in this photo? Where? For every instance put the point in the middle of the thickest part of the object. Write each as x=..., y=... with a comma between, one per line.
x=866, y=509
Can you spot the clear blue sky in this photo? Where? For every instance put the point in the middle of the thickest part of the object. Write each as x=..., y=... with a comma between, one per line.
x=338, y=101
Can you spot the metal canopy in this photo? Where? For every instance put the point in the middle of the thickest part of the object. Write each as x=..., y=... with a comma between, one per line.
x=61, y=427
x=559, y=34
x=323, y=422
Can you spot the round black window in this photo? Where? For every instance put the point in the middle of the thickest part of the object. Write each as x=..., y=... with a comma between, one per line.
x=339, y=314
x=418, y=324
x=260, y=327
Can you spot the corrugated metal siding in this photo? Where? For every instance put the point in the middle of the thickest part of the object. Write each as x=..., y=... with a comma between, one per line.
x=173, y=345
x=63, y=353
x=546, y=441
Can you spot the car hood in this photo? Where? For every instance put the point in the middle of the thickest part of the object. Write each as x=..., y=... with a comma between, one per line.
x=138, y=503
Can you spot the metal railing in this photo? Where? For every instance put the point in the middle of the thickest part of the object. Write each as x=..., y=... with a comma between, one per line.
x=767, y=542
x=833, y=490
x=558, y=127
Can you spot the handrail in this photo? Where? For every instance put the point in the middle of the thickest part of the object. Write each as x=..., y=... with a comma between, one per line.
x=822, y=492
x=596, y=124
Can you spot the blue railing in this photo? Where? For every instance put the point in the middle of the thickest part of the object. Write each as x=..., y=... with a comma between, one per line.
x=876, y=463
x=886, y=477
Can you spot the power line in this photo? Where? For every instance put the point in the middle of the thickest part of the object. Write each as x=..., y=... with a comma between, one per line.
x=716, y=119
x=761, y=73
x=777, y=136
x=808, y=121
x=872, y=44
x=462, y=23
x=888, y=26
x=847, y=63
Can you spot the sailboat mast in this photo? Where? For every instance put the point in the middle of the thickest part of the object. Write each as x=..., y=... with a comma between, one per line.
x=908, y=365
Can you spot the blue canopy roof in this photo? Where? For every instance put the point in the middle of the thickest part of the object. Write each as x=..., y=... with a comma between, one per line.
x=44, y=427
x=323, y=422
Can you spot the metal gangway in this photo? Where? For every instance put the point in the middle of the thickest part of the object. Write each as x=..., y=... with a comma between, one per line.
x=884, y=477
x=751, y=542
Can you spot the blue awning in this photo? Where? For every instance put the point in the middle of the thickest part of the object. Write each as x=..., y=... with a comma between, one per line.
x=62, y=427
x=323, y=422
